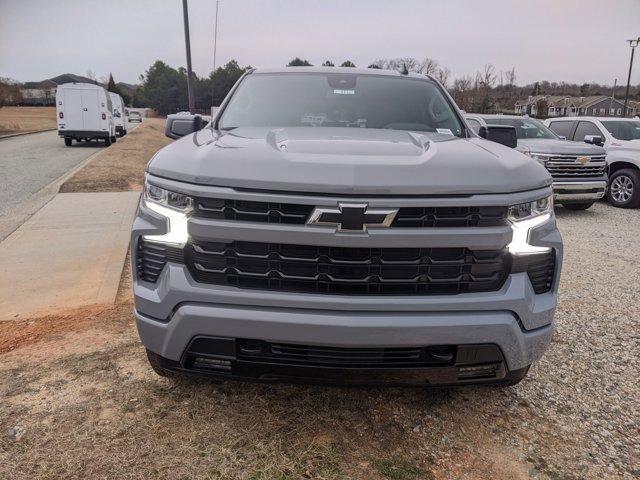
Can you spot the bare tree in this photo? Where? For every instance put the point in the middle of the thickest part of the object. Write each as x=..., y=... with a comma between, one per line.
x=511, y=76
x=487, y=78
x=442, y=75
x=429, y=66
x=462, y=92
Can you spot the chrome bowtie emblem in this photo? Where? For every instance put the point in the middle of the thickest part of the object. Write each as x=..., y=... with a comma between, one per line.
x=352, y=217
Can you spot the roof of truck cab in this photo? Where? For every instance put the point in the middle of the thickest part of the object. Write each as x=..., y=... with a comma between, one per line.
x=344, y=70
x=87, y=86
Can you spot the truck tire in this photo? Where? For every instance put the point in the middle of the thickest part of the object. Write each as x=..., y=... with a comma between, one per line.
x=114, y=139
x=155, y=361
x=67, y=141
x=107, y=141
x=624, y=188
x=577, y=206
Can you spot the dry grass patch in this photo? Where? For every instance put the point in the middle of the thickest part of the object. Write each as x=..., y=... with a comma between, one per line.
x=26, y=119
x=121, y=166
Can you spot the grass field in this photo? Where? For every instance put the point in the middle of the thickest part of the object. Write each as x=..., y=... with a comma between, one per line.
x=121, y=166
x=26, y=119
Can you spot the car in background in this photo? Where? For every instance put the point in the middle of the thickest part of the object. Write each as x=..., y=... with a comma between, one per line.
x=84, y=112
x=135, y=116
x=117, y=106
x=578, y=170
x=620, y=138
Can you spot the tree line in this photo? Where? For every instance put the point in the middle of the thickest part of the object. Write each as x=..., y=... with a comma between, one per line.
x=164, y=88
x=487, y=91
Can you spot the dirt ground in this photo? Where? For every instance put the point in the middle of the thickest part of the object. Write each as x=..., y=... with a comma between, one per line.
x=81, y=402
x=78, y=399
x=26, y=119
x=121, y=166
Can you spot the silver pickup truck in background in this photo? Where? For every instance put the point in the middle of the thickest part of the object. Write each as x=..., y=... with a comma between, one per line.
x=579, y=170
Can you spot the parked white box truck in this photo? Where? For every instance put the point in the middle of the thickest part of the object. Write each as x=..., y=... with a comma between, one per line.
x=84, y=113
x=119, y=119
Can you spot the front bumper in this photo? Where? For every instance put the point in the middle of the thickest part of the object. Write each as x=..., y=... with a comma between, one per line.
x=579, y=191
x=83, y=133
x=173, y=311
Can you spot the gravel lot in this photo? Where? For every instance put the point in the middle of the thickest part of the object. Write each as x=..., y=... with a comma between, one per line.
x=80, y=402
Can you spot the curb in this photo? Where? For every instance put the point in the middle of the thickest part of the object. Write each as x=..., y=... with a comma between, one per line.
x=11, y=135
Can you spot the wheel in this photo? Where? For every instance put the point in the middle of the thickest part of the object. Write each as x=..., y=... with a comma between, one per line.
x=124, y=132
x=67, y=141
x=107, y=141
x=114, y=139
x=577, y=206
x=155, y=361
x=514, y=377
x=624, y=188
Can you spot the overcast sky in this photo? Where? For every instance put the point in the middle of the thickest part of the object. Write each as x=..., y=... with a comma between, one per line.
x=571, y=40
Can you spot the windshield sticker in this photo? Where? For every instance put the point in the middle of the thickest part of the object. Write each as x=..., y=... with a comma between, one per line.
x=444, y=131
x=340, y=91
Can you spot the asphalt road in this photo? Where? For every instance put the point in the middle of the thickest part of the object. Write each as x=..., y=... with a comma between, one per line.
x=28, y=163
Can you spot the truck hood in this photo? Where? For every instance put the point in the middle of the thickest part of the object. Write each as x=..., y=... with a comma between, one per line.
x=630, y=146
x=560, y=147
x=347, y=161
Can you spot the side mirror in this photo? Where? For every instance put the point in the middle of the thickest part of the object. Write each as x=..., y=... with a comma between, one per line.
x=503, y=134
x=594, y=140
x=180, y=125
x=562, y=137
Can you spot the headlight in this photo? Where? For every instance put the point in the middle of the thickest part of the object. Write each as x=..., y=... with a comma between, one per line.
x=167, y=198
x=523, y=211
x=525, y=216
x=175, y=207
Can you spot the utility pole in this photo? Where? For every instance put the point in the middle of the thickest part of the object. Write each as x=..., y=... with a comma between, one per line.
x=185, y=11
x=633, y=44
x=215, y=36
x=215, y=48
x=613, y=96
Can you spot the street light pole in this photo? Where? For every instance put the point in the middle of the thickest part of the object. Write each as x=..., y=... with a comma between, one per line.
x=215, y=37
x=633, y=44
x=185, y=11
x=215, y=48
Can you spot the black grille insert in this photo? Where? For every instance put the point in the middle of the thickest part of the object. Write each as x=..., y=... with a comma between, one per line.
x=296, y=214
x=540, y=268
x=293, y=354
x=152, y=257
x=340, y=270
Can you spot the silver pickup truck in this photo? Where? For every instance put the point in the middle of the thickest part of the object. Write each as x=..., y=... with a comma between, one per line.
x=579, y=170
x=337, y=224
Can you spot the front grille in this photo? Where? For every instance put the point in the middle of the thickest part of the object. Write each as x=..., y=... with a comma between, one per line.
x=152, y=257
x=297, y=214
x=570, y=167
x=375, y=357
x=339, y=270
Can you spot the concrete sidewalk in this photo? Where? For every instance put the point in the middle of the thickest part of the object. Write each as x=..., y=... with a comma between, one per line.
x=69, y=254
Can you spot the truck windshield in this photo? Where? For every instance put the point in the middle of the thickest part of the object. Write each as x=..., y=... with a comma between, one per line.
x=623, y=129
x=525, y=127
x=340, y=100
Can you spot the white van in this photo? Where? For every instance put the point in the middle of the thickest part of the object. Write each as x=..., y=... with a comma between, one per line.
x=84, y=113
x=119, y=119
